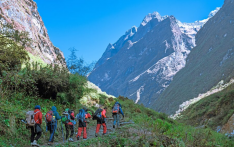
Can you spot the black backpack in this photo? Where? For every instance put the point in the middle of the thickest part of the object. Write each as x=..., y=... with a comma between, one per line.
x=98, y=114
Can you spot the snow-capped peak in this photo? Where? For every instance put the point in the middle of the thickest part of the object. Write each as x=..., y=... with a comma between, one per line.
x=192, y=28
x=212, y=13
x=151, y=16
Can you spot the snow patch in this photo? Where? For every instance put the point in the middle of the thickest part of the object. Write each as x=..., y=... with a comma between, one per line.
x=138, y=93
x=219, y=87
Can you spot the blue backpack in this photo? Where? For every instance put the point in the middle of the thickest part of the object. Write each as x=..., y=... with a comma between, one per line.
x=81, y=115
x=115, y=108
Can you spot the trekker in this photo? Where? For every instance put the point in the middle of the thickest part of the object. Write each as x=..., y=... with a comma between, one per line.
x=51, y=118
x=117, y=108
x=36, y=130
x=101, y=121
x=69, y=123
x=82, y=117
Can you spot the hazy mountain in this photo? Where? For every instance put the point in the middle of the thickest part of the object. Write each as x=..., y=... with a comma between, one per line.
x=142, y=63
x=209, y=62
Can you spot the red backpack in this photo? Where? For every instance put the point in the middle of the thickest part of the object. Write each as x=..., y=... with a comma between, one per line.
x=49, y=116
x=115, y=108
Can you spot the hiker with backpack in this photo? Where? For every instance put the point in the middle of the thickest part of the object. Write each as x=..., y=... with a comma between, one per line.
x=51, y=119
x=82, y=117
x=117, y=108
x=34, y=121
x=100, y=116
x=67, y=119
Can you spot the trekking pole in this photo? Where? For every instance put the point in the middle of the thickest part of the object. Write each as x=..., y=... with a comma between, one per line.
x=62, y=130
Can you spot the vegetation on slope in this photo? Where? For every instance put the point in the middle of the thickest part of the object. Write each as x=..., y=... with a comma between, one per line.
x=212, y=111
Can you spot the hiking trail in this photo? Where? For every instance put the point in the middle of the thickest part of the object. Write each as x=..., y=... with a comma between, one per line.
x=90, y=131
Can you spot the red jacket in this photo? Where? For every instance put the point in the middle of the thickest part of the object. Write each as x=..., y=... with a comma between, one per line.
x=72, y=118
x=38, y=116
x=87, y=116
x=103, y=113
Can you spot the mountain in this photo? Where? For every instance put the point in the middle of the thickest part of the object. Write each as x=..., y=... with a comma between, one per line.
x=142, y=63
x=210, y=62
x=24, y=16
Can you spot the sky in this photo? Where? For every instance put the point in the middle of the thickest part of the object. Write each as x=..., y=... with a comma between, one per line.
x=90, y=25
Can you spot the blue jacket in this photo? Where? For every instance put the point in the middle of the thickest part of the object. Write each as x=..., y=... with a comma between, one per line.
x=56, y=114
x=121, y=111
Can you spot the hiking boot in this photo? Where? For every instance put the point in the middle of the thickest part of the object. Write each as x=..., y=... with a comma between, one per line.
x=78, y=138
x=84, y=138
x=34, y=143
x=96, y=135
x=113, y=126
x=104, y=134
x=71, y=140
x=50, y=143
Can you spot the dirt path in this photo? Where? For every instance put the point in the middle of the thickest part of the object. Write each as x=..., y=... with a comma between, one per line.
x=90, y=131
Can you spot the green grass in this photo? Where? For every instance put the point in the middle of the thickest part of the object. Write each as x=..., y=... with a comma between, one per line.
x=35, y=59
x=216, y=108
x=150, y=128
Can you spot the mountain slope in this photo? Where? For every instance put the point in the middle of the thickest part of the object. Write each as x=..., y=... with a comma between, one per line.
x=215, y=111
x=142, y=63
x=24, y=16
x=209, y=62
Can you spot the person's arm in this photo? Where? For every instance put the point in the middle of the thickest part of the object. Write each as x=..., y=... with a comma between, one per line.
x=57, y=117
x=104, y=114
x=121, y=111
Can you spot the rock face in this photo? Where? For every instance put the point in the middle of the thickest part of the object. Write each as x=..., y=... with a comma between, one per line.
x=142, y=63
x=24, y=16
x=208, y=63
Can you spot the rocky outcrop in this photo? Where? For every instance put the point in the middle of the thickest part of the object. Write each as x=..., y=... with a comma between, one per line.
x=142, y=63
x=24, y=16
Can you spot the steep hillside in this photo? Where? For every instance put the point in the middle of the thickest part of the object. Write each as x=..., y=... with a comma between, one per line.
x=209, y=62
x=142, y=63
x=24, y=16
x=148, y=128
x=215, y=111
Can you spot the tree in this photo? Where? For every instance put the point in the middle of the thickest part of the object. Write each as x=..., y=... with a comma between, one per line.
x=12, y=47
x=77, y=65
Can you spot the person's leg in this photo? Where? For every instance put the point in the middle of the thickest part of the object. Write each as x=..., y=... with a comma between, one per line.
x=53, y=129
x=79, y=132
x=84, y=133
x=38, y=134
x=117, y=119
x=67, y=131
x=104, y=128
x=98, y=128
x=32, y=134
x=72, y=130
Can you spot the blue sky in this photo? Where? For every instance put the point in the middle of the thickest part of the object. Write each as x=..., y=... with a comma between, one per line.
x=90, y=25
